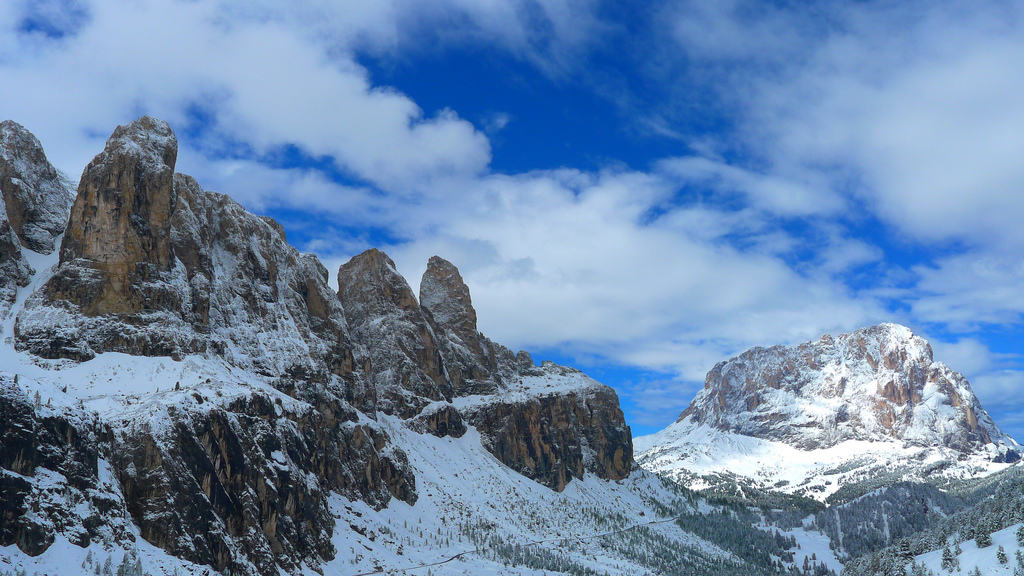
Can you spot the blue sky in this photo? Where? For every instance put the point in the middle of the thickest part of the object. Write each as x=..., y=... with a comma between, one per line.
x=637, y=189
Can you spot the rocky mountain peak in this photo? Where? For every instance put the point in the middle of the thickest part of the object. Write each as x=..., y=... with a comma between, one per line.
x=152, y=264
x=36, y=196
x=262, y=392
x=150, y=140
x=405, y=362
x=445, y=294
x=878, y=383
x=370, y=285
x=124, y=204
x=475, y=364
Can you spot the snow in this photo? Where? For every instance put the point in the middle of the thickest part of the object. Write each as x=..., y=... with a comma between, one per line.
x=812, y=545
x=510, y=506
x=552, y=379
x=984, y=558
x=686, y=452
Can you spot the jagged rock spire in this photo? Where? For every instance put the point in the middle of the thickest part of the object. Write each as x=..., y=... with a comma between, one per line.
x=385, y=318
x=445, y=294
x=122, y=214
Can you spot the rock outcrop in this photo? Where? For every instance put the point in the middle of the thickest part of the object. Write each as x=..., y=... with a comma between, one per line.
x=153, y=265
x=50, y=482
x=15, y=271
x=234, y=485
x=35, y=200
x=36, y=196
x=405, y=363
x=248, y=483
x=555, y=436
x=475, y=364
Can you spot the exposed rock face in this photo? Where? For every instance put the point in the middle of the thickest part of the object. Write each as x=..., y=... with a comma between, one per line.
x=60, y=448
x=475, y=364
x=406, y=365
x=36, y=196
x=424, y=354
x=557, y=436
x=255, y=477
x=231, y=485
x=35, y=200
x=15, y=270
x=878, y=383
x=439, y=419
x=154, y=265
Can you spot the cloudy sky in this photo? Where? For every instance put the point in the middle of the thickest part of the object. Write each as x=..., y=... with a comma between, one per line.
x=640, y=189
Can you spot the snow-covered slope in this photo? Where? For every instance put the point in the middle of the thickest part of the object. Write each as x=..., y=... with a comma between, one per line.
x=813, y=418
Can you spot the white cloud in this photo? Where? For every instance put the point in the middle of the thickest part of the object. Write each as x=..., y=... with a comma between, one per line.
x=966, y=290
x=921, y=121
x=773, y=193
x=265, y=86
x=567, y=259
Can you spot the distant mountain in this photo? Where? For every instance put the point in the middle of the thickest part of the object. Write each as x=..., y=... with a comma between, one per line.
x=850, y=411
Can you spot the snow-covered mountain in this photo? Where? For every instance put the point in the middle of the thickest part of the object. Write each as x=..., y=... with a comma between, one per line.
x=816, y=417
x=182, y=393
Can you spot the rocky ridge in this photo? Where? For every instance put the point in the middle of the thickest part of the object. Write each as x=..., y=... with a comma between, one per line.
x=36, y=201
x=821, y=405
x=228, y=392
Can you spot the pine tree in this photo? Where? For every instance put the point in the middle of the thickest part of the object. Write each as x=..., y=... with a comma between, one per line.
x=949, y=561
x=1020, y=535
x=984, y=539
x=1001, y=555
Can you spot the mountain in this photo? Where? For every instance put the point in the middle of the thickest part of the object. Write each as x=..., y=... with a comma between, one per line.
x=182, y=392
x=832, y=418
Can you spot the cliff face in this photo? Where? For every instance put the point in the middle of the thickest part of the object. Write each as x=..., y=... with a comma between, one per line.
x=213, y=394
x=555, y=429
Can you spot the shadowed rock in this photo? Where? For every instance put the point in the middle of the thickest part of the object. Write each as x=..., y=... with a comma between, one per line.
x=475, y=364
x=37, y=197
x=405, y=363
